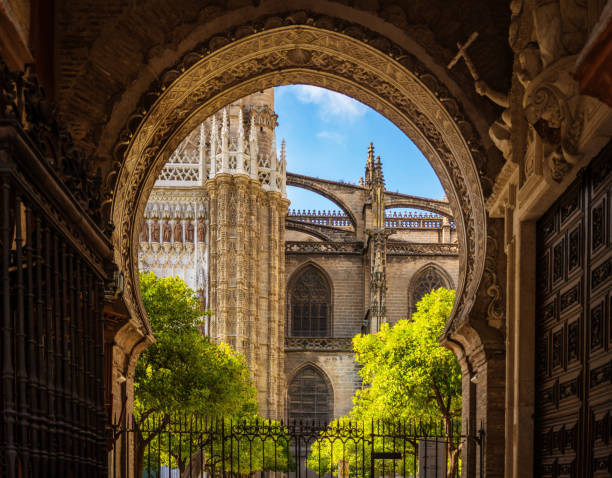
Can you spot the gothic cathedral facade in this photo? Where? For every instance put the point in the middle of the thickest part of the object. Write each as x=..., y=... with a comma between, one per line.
x=288, y=289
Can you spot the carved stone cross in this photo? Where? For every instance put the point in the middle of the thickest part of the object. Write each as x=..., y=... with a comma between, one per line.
x=463, y=53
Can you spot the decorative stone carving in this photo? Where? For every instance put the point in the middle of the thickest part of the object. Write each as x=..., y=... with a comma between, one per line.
x=167, y=228
x=24, y=103
x=553, y=106
x=560, y=28
x=318, y=344
x=495, y=307
x=324, y=247
x=500, y=130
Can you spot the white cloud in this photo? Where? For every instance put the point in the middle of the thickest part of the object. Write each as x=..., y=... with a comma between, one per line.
x=331, y=105
x=331, y=136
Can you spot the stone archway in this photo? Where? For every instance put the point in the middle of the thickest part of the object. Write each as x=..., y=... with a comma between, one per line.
x=373, y=71
x=300, y=54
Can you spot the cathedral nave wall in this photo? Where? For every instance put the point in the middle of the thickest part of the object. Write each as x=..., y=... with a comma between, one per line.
x=339, y=367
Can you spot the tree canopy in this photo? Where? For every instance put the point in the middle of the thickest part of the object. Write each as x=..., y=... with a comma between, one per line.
x=406, y=374
x=184, y=372
x=407, y=377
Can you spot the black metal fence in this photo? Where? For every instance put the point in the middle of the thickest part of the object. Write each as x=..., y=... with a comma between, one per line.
x=182, y=447
x=52, y=415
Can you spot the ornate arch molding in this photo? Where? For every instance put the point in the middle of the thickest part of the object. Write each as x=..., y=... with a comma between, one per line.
x=377, y=73
x=302, y=267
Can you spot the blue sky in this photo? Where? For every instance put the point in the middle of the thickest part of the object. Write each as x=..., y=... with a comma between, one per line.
x=327, y=136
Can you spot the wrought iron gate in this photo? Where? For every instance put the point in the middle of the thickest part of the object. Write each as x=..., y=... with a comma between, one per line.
x=52, y=273
x=181, y=447
x=573, y=427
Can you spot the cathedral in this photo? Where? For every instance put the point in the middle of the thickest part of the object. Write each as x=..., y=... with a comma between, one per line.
x=289, y=289
x=140, y=135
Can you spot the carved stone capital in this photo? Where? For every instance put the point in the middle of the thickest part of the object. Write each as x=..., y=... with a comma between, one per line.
x=553, y=106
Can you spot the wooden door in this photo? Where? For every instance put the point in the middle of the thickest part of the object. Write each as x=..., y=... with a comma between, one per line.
x=573, y=426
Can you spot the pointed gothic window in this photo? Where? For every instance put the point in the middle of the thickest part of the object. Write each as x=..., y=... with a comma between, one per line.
x=309, y=397
x=309, y=305
x=427, y=280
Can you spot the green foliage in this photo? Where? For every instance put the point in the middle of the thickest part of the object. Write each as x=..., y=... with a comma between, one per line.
x=183, y=372
x=405, y=372
x=407, y=377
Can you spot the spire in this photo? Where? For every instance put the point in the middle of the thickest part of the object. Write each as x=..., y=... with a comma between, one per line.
x=213, y=147
x=224, y=143
x=240, y=131
x=253, y=146
x=369, y=169
x=202, y=150
x=378, y=178
x=283, y=151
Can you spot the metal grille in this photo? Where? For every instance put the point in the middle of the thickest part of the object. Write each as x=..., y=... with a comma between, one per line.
x=310, y=303
x=52, y=411
x=309, y=397
x=190, y=447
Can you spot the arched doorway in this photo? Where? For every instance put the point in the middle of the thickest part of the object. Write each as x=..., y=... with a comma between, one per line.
x=396, y=85
x=314, y=56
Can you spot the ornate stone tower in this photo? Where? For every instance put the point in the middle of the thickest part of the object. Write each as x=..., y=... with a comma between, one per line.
x=247, y=208
x=216, y=218
x=377, y=240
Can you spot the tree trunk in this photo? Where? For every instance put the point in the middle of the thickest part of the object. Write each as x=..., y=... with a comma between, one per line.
x=139, y=452
x=195, y=466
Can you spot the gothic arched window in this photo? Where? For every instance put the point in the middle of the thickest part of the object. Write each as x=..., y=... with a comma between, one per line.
x=309, y=304
x=309, y=397
x=424, y=282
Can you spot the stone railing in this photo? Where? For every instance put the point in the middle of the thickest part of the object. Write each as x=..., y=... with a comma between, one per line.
x=406, y=220
x=318, y=344
x=309, y=247
x=321, y=218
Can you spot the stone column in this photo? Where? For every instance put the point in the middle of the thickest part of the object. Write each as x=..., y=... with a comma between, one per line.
x=246, y=274
x=489, y=367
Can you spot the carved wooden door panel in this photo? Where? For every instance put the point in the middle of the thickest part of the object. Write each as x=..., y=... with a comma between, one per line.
x=573, y=427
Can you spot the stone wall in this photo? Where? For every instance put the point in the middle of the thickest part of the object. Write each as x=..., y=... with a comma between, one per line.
x=340, y=369
x=346, y=275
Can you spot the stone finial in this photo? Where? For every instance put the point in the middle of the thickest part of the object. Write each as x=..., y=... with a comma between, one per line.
x=213, y=147
x=283, y=168
x=369, y=169
x=225, y=142
x=377, y=174
x=202, y=152
x=240, y=131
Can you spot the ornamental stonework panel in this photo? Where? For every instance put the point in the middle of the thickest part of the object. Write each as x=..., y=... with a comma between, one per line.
x=574, y=330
